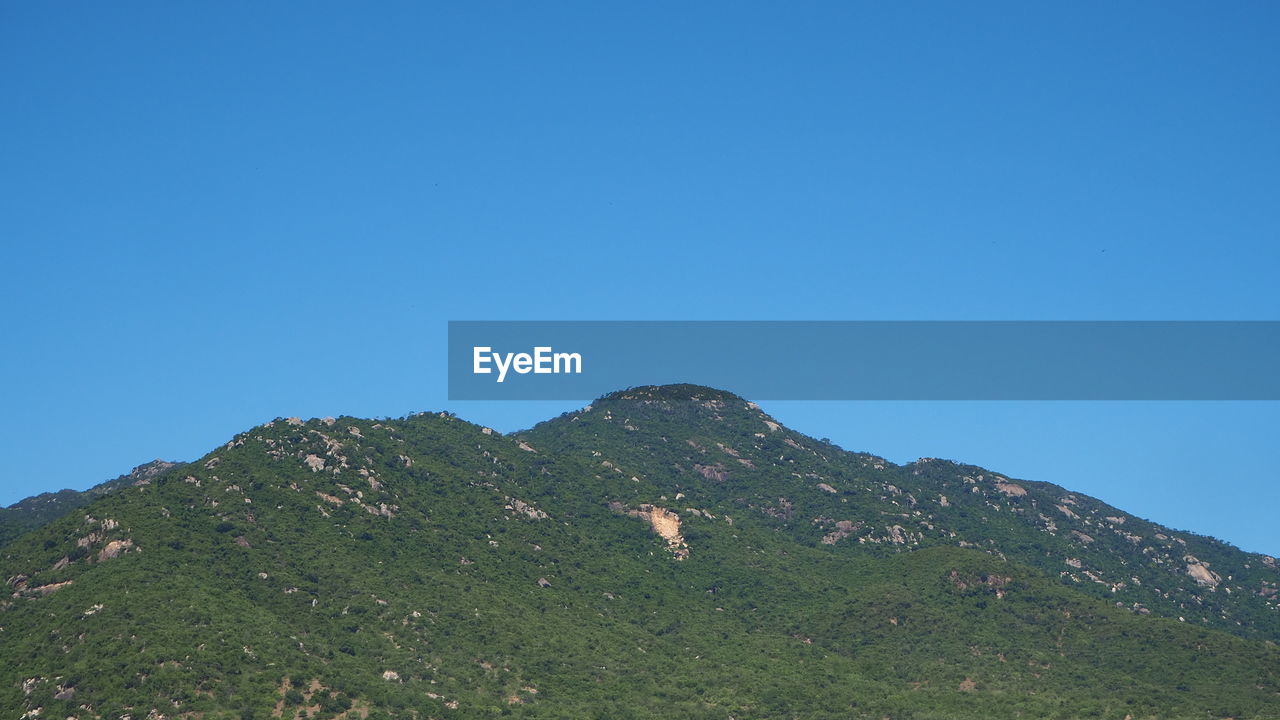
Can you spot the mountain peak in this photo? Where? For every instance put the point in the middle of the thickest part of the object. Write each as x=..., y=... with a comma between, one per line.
x=676, y=392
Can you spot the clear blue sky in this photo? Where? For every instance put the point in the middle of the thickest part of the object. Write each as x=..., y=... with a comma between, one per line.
x=215, y=214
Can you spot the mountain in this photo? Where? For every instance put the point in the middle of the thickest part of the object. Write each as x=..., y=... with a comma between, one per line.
x=665, y=552
x=818, y=494
x=42, y=509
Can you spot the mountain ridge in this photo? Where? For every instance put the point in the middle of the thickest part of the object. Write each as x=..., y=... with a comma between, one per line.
x=37, y=510
x=641, y=557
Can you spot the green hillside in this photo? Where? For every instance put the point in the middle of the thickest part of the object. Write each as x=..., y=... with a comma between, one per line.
x=37, y=510
x=669, y=552
x=717, y=448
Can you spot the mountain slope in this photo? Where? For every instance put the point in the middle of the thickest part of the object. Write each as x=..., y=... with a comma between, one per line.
x=37, y=510
x=715, y=447
x=427, y=567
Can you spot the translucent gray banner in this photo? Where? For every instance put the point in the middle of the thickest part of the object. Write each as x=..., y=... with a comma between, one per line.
x=869, y=360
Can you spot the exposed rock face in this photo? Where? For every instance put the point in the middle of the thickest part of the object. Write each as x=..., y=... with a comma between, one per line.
x=524, y=507
x=1202, y=574
x=712, y=472
x=315, y=462
x=897, y=535
x=667, y=525
x=114, y=548
x=844, y=529
x=51, y=587
x=1010, y=489
x=329, y=498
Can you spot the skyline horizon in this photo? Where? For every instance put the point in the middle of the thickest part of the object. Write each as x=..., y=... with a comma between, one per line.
x=568, y=406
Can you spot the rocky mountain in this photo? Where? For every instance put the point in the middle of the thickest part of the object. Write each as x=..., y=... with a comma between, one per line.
x=665, y=552
x=819, y=494
x=42, y=509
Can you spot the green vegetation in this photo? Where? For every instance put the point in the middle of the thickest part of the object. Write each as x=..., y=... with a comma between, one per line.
x=426, y=567
x=42, y=509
